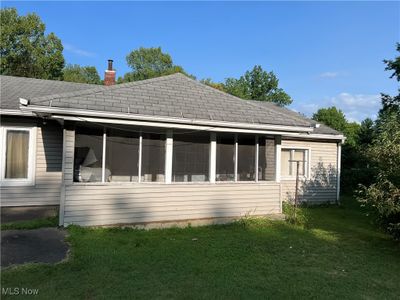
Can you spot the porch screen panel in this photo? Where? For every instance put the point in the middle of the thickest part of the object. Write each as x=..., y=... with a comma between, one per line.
x=88, y=154
x=246, y=158
x=122, y=156
x=17, y=154
x=225, y=156
x=266, y=159
x=153, y=157
x=191, y=157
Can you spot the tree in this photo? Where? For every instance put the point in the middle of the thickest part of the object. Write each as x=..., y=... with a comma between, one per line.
x=351, y=132
x=392, y=103
x=86, y=74
x=366, y=132
x=149, y=63
x=382, y=197
x=215, y=85
x=258, y=84
x=25, y=49
x=394, y=65
x=331, y=117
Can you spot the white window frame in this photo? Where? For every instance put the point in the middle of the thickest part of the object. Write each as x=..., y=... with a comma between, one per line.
x=30, y=180
x=307, y=164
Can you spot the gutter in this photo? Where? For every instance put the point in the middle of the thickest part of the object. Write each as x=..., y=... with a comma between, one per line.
x=174, y=120
x=16, y=112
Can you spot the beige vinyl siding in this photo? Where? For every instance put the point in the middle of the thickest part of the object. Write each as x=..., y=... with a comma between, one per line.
x=321, y=185
x=94, y=204
x=46, y=190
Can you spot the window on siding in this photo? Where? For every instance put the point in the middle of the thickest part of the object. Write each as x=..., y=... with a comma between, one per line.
x=153, y=157
x=122, y=156
x=17, y=154
x=17, y=147
x=266, y=159
x=88, y=156
x=191, y=157
x=246, y=158
x=225, y=156
x=289, y=164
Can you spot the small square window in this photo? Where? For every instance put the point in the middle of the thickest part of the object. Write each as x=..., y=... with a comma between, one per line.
x=289, y=159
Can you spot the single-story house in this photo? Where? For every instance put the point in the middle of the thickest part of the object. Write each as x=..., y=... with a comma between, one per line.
x=167, y=149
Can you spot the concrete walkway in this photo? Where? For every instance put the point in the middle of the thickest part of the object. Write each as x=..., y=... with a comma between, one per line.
x=46, y=245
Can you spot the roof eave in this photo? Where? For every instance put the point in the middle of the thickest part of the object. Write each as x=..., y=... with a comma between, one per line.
x=160, y=119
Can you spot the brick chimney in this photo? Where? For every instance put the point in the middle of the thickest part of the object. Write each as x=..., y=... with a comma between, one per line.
x=109, y=75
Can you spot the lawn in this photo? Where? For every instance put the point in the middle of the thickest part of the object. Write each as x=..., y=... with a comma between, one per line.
x=339, y=254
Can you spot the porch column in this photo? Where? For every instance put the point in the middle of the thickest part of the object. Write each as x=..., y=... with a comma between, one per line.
x=213, y=156
x=338, y=168
x=278, y=145
x=67, y=166
x=168, y=156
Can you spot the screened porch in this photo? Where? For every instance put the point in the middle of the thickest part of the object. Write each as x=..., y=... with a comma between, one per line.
x=129, y=154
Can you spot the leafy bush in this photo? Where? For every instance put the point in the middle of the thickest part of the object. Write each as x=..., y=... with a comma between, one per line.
x=294, y=215
x=383, y=196
x=383, y=199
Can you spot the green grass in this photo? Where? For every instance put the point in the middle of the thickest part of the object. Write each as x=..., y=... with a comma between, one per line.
x=337, y=254
x=31, y=224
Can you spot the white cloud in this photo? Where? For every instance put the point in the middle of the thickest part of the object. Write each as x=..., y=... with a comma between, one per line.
x=356, y=107
x=328, y=75
x=77, y=51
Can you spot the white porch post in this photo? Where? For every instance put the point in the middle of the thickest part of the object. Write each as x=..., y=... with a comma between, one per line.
x=168, y=156
x=338, y=168
x=140, y=158
x=256, y=159
x=103, y=163
x=213, y=156
x=236, y=157
x=67, y=167
x=278, y=145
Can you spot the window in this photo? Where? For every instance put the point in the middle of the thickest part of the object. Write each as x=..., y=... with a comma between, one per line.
x=88, y=159
x=246, y=158
x=289, y=158
x=225, y=164
x=266, y=159
x=122, y=156
x=18, y=162
x=153, y=157
x=190, y=160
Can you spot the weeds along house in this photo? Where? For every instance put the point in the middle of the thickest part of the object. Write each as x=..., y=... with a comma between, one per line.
x=166, y=149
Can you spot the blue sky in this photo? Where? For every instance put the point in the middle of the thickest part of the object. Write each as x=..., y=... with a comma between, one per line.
x=324, y=53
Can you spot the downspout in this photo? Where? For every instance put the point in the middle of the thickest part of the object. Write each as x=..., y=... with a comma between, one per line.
x=338, y=170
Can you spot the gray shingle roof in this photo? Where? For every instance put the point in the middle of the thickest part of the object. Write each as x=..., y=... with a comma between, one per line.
x=13, y=88
x=322, y=129
x=169, y=96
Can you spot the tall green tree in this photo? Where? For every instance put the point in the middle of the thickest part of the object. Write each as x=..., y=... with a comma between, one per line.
x=391, y=103
x=258, y=84
x=25, y=48
x=382, y=196
x=86, y=74
x=366, y=132
x=331, y=117
x=149, y=63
